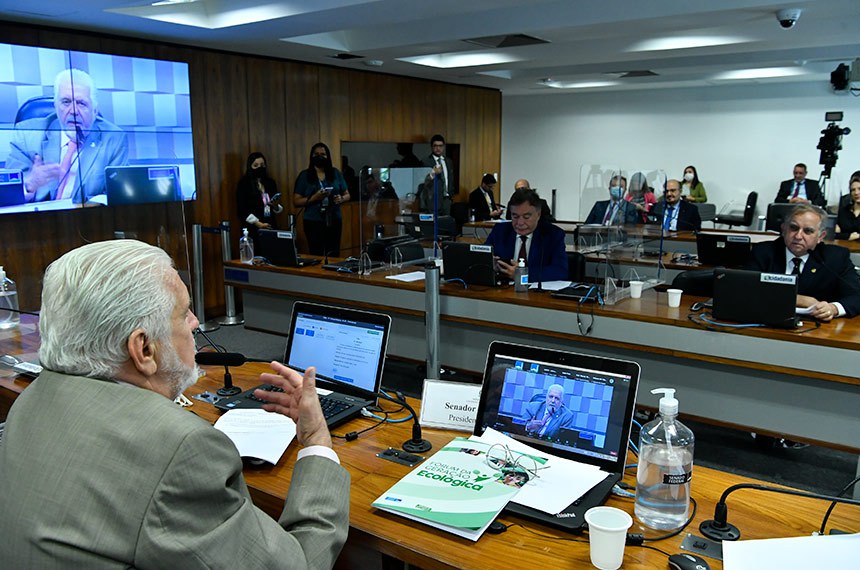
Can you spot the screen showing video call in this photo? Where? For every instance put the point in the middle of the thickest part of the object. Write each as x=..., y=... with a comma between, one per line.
x=574, y=409
x=89, y=129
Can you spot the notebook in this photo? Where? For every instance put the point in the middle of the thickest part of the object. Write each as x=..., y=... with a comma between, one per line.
x=348, y=349
x=142, y=184
x=756, y=298
x=472, y=263
x=592, y=426
x=11, y=187
x=722, y=250
x=279, y=248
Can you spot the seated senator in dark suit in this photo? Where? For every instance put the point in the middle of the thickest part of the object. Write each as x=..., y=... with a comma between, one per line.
x=482, y=202
x=827, y=281
x=675, y=214
x=529, y=237
x=615, y=211
x=799, y=190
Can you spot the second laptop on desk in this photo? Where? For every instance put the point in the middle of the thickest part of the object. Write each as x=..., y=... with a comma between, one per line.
x=348, y=349
x=279, y=248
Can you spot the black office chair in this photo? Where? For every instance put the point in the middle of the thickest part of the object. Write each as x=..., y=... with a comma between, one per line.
x=776, y=214
x=699, y=282
x=34, y=108
x=460, y=213
x=746, y=219
x=706, y=211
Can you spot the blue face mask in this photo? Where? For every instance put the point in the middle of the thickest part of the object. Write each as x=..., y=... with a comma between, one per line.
x=615, y=192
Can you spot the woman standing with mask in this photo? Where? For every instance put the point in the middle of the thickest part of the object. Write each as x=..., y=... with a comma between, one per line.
x=320, y=190
x=256, y=196
x=692, y=190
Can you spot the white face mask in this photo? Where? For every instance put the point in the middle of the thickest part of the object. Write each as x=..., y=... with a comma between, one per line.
x=688, y=177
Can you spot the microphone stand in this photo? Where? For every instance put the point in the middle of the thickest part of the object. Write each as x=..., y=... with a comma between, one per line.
x=228, y=389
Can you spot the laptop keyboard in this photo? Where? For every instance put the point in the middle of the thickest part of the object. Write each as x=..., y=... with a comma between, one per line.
x=330, y=406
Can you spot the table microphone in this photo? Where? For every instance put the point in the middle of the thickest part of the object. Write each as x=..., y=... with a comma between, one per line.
x=220, y=358
x=417, y=444
x=720, y=529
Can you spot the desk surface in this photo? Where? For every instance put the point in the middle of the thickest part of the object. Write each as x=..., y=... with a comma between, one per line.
x=757, y=515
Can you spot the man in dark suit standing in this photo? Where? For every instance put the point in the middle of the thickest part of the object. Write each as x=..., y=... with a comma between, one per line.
x=827, y=283
x=529, y=237
x=482, y=203
x=676, y=214
x=799, y=190
x=615, y=211
x=440, y=178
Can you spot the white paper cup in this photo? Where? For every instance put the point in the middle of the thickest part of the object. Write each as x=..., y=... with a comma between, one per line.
x=636, y=289
x=674, y=297
x=607, y=533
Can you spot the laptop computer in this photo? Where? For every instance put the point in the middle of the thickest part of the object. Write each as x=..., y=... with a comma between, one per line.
x=581, y=293
x=723, y=250
x=754, y=297
x=348, y=349
x=142, y=184
x=599, y=393
x=11, y=187
x=279, y=248
x=472, y=263
x=420, y=226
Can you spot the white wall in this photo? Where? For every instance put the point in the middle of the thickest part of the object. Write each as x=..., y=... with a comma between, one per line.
x=740, y=138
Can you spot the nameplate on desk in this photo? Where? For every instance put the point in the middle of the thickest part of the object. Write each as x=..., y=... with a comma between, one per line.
x=449, y=405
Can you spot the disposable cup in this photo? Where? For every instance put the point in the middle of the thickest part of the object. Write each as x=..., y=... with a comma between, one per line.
x=674, y=297
x=607, y=533
x=636, y=289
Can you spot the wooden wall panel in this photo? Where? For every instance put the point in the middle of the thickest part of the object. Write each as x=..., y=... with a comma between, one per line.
x=242, y=103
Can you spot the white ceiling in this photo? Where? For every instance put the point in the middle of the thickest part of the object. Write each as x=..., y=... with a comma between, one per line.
x=589, y=40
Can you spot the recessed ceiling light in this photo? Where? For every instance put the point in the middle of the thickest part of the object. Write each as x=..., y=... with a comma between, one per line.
x=467, y=59
x=685, y=42
x=761, y=73
x=577, y=84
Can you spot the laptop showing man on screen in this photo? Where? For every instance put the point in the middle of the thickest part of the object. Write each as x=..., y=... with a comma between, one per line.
x=827, y=284
x=575, y=406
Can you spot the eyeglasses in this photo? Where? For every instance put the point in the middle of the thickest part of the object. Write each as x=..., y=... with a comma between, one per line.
x=501, y=458
x=794, y=228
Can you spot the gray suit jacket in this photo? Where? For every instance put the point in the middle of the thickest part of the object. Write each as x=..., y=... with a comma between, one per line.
x=426, y=193
x=105, y=145
x=104, y=475
x=562, y=418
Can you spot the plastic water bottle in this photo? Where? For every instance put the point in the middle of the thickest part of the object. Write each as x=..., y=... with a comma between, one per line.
x=521, y=277
x=246, y=247
x=9, y=315
x=665, y=468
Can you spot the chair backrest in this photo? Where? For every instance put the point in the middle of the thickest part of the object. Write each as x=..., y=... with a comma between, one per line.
x=575, y=266
x=776, y=214
x=698, y=282
x=707, y=211
x=35, y=107
x=749, y=210
x=460, y=213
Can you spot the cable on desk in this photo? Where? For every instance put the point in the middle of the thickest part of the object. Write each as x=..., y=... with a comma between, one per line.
x=833, y=504
x=636, y=539
x=547, y=536
x=649, y=547
x=353, y=435
x=456, y=280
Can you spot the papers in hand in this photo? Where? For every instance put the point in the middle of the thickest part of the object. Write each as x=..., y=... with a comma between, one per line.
x=258, y=433
x=559, y=485
x=455, y=490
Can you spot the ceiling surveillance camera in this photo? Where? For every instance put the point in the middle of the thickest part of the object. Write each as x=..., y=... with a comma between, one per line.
x=788, y=17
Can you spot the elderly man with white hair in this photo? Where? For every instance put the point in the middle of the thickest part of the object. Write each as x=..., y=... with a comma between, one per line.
x=64, y=154
x=102, y=470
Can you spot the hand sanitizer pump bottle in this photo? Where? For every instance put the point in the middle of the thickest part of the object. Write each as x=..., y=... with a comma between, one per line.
x=665, y=468
x=246, y=247
x=521, y=277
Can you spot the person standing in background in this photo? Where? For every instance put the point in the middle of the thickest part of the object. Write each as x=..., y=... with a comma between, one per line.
x=692, y=190
x=320, y=190
x=256, y=197
x=440, y=179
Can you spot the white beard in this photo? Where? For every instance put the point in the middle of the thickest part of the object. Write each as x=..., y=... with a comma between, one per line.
x=178, y=375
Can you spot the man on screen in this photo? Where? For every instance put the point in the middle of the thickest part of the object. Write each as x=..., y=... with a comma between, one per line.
x=545, y=418
x=64, y=155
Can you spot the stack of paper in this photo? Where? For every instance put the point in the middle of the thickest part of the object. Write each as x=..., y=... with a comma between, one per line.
x=257, y=433
x=560, y=482
x=455, y=490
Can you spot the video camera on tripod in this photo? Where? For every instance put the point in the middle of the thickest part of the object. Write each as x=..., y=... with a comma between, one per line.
x=830, y=142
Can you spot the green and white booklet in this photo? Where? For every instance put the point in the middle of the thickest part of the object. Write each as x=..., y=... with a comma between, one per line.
x=457, y=489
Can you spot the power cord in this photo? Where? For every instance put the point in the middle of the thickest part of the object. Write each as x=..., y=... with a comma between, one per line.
x=636, y=539
x=833, y=504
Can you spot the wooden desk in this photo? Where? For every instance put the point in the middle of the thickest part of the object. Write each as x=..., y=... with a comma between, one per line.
x=757, y=515
x=766, y=380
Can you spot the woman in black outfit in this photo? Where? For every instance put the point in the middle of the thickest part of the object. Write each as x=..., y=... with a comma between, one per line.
x=320, y=190
x=848, y=218
x=255, y=197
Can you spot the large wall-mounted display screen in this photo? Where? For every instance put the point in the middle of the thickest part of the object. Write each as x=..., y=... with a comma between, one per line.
x=82, y=129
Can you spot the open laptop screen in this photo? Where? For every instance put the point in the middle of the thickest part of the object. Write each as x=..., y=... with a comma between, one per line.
x=346, y=346
x=590, y=401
